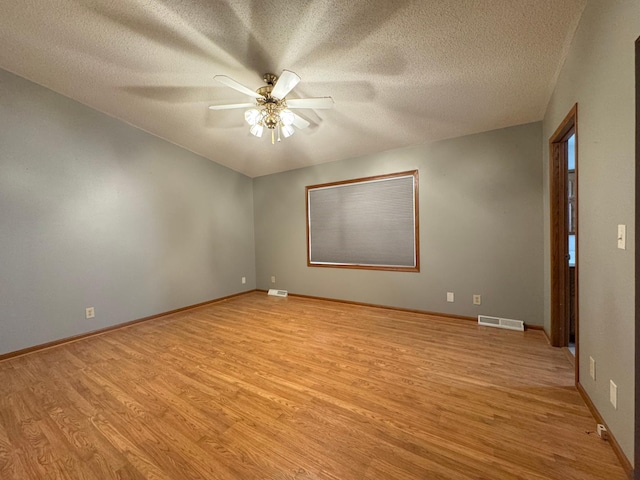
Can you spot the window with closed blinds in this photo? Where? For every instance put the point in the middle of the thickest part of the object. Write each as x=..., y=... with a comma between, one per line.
x=365, y=223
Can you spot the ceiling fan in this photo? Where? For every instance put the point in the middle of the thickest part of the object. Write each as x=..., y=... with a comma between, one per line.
x=271, y=109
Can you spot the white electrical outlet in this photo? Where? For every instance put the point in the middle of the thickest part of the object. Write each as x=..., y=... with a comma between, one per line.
x=613, y=394
x=89, y=312
x=592, y=368
x=477, y=299
x=273, y=279
x=622, y=237
x=244, y=280
x=449, y=297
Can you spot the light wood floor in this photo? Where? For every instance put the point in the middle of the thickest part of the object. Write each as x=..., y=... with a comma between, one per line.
x=260, y=387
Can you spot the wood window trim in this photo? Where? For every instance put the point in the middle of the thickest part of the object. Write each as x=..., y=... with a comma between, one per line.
x=415, y=268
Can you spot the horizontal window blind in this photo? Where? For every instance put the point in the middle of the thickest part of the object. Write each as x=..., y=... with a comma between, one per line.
x=364, y=223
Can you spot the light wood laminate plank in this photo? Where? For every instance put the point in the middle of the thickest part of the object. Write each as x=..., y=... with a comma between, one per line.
x=259, y=387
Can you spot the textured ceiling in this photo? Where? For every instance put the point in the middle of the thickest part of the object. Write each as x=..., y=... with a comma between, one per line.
x=400, y=72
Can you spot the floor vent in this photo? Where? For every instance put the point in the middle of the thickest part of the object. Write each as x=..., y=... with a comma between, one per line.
x=278, y=293
x=501, y=323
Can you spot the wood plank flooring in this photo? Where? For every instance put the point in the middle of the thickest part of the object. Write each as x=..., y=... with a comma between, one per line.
x=260, y=387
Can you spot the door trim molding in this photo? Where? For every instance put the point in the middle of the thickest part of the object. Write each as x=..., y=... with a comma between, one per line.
x=637, y=271
x=559, y=284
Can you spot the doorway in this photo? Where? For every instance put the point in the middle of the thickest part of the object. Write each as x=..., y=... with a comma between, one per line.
x=563, y=170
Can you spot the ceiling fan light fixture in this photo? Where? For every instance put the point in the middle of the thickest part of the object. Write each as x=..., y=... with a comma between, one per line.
x=257, y=130
x=287, y=117
x=270, y=109
x=287, y=131
x=252, y=116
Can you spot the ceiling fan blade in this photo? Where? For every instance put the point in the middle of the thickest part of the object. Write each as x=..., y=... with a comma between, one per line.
x=318, y=102
x=300, y=122
x=231, y=83
x=230, y=106
x=285, y=84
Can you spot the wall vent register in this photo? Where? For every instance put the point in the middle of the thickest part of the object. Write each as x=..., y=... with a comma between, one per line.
x=497, y=322
x=277, y=293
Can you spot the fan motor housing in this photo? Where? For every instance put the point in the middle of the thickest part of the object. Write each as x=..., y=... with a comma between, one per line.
x=265, y=91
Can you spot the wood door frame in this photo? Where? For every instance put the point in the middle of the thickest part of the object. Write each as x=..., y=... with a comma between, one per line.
x=559, y=280
x=637, y=271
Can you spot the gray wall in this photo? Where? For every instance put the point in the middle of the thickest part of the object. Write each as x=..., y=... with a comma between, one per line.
x=599, y=75
x=480, y=228
x=94, y=212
